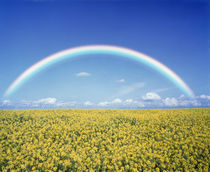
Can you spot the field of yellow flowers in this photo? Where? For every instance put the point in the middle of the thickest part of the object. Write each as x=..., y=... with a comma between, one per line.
x=104, y=140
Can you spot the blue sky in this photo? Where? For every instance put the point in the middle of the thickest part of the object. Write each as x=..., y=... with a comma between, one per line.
x=173, y=32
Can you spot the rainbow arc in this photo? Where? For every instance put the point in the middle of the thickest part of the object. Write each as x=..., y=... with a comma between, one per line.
x=99, y=49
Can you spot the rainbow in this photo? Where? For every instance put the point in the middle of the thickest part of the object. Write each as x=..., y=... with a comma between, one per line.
x=99, y=49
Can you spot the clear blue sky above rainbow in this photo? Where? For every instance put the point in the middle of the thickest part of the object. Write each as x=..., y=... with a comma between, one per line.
x=172, y=32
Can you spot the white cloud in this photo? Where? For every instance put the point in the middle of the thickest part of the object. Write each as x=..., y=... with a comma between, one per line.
x=49, y=100
x=139, y=104
x=133, y=103
x=66, y=104
x=170, y=102
x=203, y=96
x=129, y=101
x=83, y=74
x=129, y=89
x=117, y=101
x=88, y=103
x=103, y=103
x=195, y=103
x=45, y=102
x=181, y=101
x=121, y=80
x=157, y=101
x=6, y=103
x=151, y=96
x=110, y=103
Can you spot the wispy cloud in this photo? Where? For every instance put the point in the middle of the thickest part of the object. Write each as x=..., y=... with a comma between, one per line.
x=129, y=89
x=83, y=74
x=120, y=80
x=160, y=90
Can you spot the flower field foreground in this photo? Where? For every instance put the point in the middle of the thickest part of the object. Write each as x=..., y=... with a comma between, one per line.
x=104, y=140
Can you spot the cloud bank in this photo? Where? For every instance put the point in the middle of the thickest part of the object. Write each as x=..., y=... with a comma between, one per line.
x=149, y=100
